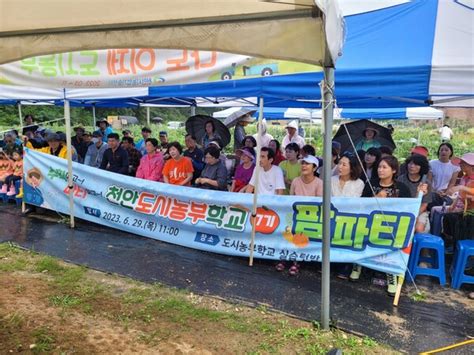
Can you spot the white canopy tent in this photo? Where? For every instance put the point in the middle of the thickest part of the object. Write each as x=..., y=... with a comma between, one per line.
x=308, y=31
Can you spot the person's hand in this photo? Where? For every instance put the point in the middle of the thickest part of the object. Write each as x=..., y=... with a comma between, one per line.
x=423, y=187
x=452, y=190
x=198, y=181
x=382, y=193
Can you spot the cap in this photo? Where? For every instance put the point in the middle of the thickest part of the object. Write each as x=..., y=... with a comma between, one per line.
x=250, y=152
x=163, y=133
x=127, y=131
x=102, y=120
x=311, y=159
x=216, y=143
x=247, y=118
x=87, y=133
x=370, y=129
x=97, y=134
x=79, y=128
x=292, y=124
x=62, y=136
x=421, y=150
x=468, y=158
x=53, y=137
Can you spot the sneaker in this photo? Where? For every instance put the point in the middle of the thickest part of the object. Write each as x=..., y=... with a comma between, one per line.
x=355, y=274
x=392, y=284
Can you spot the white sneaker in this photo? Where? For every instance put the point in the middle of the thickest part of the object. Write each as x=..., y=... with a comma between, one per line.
x=356, y=271
x=392, y=284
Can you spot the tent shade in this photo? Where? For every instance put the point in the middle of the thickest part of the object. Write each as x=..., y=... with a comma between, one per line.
x=250, y=27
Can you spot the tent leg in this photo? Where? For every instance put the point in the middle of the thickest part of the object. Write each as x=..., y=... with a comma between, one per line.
x=20, y=115
x=70, y=184
x=399, y=290
x=255, y=192
x=328, y=86
x=148, y=116
x=94, y=119
x=193, y=110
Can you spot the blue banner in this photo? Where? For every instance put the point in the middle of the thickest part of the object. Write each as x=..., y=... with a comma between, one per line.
x=375, y=233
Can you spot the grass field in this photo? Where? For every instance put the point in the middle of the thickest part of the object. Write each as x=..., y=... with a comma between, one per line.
x=48, y=306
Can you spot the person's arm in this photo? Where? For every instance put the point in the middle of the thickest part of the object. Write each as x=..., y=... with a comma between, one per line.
x=232, y=186
x=189, y=177
x=125, y=163
x=280, y=191
x=158, y=171
x=105, y=161
x=140, y=174
x=453, y=179
x=250, y=189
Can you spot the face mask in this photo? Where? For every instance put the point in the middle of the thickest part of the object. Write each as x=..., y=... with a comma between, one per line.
x=95, y=140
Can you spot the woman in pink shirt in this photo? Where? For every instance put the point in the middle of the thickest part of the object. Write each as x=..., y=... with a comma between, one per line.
x=151, y=164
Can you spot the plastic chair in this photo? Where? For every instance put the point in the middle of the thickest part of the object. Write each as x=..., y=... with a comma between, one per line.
x=437, y=269
x=464, y=249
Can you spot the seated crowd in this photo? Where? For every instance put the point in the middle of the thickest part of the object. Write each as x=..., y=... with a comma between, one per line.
x=294, y=169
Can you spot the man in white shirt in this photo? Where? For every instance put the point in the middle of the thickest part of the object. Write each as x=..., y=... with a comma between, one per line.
x=292, y=136
x=270, y=180
x=446, y=133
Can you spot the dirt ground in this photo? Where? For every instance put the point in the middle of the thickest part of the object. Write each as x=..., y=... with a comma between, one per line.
x=50, y=306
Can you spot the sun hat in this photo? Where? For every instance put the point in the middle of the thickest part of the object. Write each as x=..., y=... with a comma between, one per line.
x=468, y=158
x=292, y=124
x=250, y=152
x=311, y=159
x=420, y=150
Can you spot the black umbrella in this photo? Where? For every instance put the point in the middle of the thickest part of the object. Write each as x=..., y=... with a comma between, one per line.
x=195, y=125
x=356, y=130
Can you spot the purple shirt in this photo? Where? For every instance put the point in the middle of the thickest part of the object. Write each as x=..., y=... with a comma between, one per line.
x=243, y=174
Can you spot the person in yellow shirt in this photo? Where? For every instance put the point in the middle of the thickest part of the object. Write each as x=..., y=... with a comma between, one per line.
x=55, y=147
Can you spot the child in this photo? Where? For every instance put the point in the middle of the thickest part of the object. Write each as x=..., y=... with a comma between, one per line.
x=16, y=174
x=5, y=170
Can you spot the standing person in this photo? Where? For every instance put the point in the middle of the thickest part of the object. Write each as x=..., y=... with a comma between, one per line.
x=178, y=170
x=265, y=137
x=368, y=140
x=239, y=131
x=385, y=186
x=195, y=154
x=271, y=180
x=214, y=174
x=291, y=167
x=292, y=135
x=79, y=144
x=443, y=174
x=115, y=158
x=29, y=125
x=415, y=179
x=371, y=162
x=146, y=133
x=151, y=164
x=164, y=144
x=446, y=133
x=211, y=134
x=104, y=129
x=96, y=150
x=307, y=184
x=243, y=171
x=134, y=155
x=274, y=145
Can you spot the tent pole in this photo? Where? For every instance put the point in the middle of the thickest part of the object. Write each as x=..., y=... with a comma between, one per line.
x=94, y=122
x=257, y=176
x=328, y=86
x=193, y=110
x=21, y=116
x=70, y=184
x=148, y=116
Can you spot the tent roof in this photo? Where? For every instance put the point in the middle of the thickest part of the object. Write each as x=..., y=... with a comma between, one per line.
x=290, y=30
